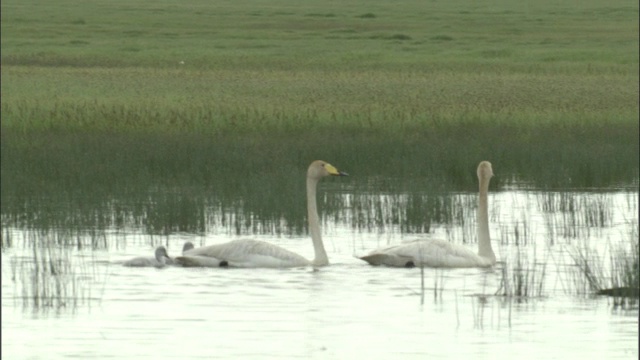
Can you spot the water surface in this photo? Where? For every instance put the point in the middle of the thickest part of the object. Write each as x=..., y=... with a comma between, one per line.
x=346, y=310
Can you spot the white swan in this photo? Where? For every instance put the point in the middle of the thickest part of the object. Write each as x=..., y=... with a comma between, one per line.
x=197, y=261
x=440, y=253
x=161, y=259
x=252, y=253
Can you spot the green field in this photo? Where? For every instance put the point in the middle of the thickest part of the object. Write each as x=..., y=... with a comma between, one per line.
x=424, y=36
x=230, y=66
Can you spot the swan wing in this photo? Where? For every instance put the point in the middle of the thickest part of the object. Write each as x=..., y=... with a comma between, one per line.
x=198, y=261
x=142, y=262
x=397, y=255
x=440, y=253
x=429, y=253
x=388, y=259
x=250, y=253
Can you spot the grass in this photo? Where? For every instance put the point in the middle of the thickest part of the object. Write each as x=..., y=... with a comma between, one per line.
x=522, y=277
x=392, y=102
x=620, y=278
x=625, y=274
x=253, y=67
x=580, y=215
x=99, y=100
x=405, y=86
x=161, y=184
x=50, y=278
x=277, y=34
x=523, y=274
x=116, y=100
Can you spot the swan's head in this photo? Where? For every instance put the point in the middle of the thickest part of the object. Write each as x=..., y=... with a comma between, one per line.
x=187, y=246
x=319, y=169
x=485, y=172
x=161, y=253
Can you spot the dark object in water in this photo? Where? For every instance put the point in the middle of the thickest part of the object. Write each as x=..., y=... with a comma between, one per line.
x=620, y=292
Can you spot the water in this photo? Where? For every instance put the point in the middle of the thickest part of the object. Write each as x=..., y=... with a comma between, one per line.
x=348, y=310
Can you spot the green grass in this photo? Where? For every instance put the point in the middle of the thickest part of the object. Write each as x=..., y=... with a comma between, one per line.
x=251, y=66
x=530, y=74
x=284, y=34
x=44, y=98
x=256, y=66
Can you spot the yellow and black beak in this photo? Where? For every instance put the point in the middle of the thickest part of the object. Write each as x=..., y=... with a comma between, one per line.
x=333, y=171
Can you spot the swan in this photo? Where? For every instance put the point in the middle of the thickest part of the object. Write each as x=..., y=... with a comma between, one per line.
x=160, y=260
x=198, y=261
x=187, y=246
x=161, y=257
x=440, y=253
x=250, y=253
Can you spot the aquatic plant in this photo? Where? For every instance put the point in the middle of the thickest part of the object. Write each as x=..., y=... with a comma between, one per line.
x=48, y=276
x=522, y=275
x=620, y=278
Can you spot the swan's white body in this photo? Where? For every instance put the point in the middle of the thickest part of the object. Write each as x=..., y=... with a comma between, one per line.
x=248, y=253
x=160, y=260
x=440, y=253
x=242, y=253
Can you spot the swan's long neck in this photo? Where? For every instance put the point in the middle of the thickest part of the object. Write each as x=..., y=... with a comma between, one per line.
x=314, y=224
x=484, y=240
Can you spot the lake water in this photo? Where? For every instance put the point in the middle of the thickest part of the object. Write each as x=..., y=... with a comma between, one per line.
x=348, y=310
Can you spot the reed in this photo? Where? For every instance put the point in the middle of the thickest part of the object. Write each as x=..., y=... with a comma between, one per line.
x=625, y=274
x=618, y=278
x=522, y=275
x=160, y=183
x=398, y=102
x=47, y=276
x=519, y=233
